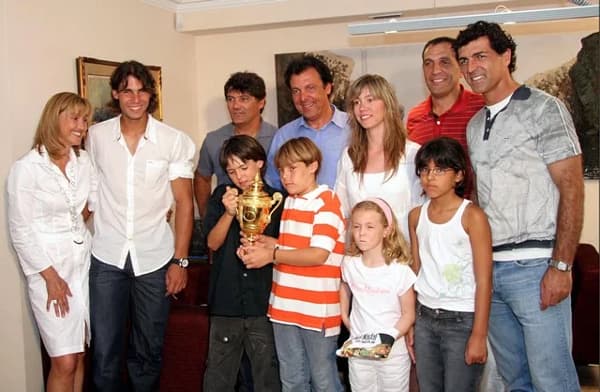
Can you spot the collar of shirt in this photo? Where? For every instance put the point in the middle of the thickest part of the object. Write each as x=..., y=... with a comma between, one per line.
x=149, y=134
x=339, y=119
x=459, y=106
x=312, y=194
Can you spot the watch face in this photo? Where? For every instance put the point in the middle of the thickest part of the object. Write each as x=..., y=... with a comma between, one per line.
x=560, y=265
x=184, y=263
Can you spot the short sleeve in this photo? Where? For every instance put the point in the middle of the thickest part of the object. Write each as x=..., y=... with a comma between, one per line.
x=272, y=174
x=406, y=279
x=328, y=224
x=182, y=164
x=558, y=138
x=205, y=165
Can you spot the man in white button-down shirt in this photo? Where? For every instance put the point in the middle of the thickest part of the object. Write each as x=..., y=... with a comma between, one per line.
x=143, y=167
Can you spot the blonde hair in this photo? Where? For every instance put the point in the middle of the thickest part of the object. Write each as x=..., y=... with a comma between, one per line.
x=394, y=139
x=48, y=129
x=300, y=149
x=394, y=245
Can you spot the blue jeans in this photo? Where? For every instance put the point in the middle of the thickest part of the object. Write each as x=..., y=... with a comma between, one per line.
x=229, y=338
x=307, y=360
x=440, y=342
x=532, y=347
x=116, y=297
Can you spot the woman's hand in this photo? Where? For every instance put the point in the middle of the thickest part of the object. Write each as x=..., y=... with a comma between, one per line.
x=58, y=291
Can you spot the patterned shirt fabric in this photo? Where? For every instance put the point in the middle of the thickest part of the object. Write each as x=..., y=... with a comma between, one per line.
x=514, y=185
x=331, y=140
x=208, y=162
x=423, y=125
x=446, y=279
x=308, y=296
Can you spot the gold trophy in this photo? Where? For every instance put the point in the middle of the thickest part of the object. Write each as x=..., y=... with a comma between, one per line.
x=254, y=209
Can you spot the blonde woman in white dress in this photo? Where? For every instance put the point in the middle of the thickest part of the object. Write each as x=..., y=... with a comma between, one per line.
x=48, y=189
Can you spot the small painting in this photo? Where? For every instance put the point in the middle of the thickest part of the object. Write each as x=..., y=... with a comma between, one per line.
x=93, y=83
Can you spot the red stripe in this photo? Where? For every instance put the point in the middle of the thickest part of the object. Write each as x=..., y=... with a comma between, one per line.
x=317, y=271
x=304, y=320
x=314, y=297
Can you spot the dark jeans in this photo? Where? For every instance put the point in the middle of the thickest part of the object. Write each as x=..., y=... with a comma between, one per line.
x=229, y=337
x=440, y=341
x=116, y=297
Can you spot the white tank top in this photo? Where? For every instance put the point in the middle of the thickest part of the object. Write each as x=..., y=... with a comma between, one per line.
x=446, y=279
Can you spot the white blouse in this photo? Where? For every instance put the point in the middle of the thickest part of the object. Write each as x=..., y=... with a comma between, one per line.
x=402, y=191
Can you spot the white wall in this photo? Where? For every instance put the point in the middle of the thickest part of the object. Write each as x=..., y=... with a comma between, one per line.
x=39, y=41
x=255, y=50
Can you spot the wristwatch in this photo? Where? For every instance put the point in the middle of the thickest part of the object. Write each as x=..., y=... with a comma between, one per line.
x=560, y=265
x=183, y=262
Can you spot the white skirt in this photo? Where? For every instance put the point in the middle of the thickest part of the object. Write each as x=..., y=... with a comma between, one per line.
x=64, y=335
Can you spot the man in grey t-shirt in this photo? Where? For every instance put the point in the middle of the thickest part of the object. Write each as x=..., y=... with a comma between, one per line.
x=527, y=160
x=246, y=98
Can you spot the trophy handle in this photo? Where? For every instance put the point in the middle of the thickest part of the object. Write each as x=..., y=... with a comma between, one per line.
x=277, y=198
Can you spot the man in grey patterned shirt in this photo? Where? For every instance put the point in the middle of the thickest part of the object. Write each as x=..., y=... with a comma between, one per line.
x=527, y=161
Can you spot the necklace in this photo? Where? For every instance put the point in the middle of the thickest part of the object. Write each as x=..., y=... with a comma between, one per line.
x=69, y=193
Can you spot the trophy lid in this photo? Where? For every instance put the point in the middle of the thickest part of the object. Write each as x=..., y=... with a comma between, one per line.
x=256, y=189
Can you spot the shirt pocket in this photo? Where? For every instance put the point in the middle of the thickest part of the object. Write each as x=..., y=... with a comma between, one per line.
x=156, y=172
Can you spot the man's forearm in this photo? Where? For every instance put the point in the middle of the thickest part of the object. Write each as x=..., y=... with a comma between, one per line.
x=570, y=212
x=184, y=216
x=202, y=185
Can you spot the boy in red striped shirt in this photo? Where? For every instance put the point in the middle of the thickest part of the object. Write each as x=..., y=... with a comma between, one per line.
x=305, y=304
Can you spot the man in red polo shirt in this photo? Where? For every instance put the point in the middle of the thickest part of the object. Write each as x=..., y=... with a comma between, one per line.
x=449, y=106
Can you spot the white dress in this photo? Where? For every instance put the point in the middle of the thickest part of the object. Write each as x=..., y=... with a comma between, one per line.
x=47, y=229
x=402, y=191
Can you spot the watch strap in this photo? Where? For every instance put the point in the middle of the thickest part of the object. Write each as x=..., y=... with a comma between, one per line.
x=183, y=262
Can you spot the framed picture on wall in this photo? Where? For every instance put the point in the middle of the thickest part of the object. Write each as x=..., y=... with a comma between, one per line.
x=93, y=83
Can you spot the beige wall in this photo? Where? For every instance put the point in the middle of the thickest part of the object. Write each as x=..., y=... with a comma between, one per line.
x=254, y=51
x=39, y=41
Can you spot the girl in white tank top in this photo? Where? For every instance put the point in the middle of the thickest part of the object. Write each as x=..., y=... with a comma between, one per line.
x=452, y=257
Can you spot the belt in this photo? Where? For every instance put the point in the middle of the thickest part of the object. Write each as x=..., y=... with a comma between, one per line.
x=441, y=313
x=524, y=245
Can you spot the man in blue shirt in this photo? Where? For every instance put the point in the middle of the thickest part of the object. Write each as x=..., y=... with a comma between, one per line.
x=310, y=82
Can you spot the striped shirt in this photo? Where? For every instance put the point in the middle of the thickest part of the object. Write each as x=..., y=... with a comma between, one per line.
x=423, y=125
x=308, y=296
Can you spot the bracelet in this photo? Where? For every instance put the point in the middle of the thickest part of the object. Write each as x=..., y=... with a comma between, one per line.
x=275, y=254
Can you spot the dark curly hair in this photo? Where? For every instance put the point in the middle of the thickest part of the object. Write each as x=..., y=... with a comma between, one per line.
x=118, y=82
x=296, y=67
x=499, y=39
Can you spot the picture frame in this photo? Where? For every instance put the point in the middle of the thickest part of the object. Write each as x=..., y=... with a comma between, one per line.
x=93, y=83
